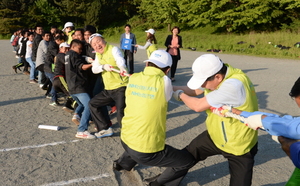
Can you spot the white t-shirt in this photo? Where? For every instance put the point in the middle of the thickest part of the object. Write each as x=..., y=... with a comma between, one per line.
x=28, y=49
x=231, y=92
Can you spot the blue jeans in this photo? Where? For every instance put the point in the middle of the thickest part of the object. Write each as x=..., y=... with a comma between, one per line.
x=32, y=68
x=52, y=92
x=82, y=100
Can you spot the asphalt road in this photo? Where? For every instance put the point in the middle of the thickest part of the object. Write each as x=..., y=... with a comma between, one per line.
x=32, y=156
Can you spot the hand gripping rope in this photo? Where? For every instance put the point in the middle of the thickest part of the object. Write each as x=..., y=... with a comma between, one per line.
x=118, y=71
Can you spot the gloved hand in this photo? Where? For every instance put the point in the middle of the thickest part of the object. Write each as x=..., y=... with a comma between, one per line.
x=89, y=59
x=221, y=110
x=246, y=114
x=123, y=71
x=254, y=121
x=107, y=67
x=176, y=94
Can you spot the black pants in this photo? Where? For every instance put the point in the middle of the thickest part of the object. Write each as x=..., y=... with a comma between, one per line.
x=240, y=167
x=104, y=98
x=60, y=85
x=180, y=160
x=174, y=65
x=128, y=54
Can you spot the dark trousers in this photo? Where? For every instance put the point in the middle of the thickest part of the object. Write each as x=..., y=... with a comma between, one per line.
x=174, y=65
x=180, y=160
x=128, y=54
x=104, y=98
x=60, y=85
x=240, y=167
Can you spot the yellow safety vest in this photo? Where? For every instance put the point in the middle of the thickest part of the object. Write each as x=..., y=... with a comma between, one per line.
x=151, y=49
x=229, y=134
x=144, y=121
x=112, y=80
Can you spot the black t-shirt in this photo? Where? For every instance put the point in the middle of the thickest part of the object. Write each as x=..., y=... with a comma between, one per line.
x=59, y=69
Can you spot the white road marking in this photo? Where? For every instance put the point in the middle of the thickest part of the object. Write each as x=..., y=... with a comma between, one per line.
x=86, y=179
x=37, y=146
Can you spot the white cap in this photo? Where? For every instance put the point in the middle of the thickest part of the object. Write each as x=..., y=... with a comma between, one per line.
x=94, y=35
x=204, y=67
x=151, y=31
x=64, y=44
x=68, y=24
x=160, y=58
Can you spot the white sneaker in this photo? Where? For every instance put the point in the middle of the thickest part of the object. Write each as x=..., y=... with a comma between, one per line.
x=84, y=135
x=104, y=133
x=76, y=119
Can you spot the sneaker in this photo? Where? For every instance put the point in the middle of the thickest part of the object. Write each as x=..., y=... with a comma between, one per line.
x=54, y=103
x=67, y=109
x=49, y=96
x=113, y=110
x=17, y=57
x=33, y=81
x=15, y=68
x=41, y=85
x=84, y=135
x=76, y=119
x=104, y=133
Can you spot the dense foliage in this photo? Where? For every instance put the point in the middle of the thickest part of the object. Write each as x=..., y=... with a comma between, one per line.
x=226, y=15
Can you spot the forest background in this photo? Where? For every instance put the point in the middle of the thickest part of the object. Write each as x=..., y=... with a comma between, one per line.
x=266, y=28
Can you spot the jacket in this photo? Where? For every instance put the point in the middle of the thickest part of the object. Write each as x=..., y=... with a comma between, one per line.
x=168, y=42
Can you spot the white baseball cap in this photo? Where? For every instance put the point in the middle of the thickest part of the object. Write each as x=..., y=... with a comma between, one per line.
x=204, y=67
x=160, y=58
x=151, y=31
x=93, y=36
x=68, y=24
x=64, y=44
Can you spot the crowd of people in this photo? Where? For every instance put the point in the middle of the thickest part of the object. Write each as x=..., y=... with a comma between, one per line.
x=93, y=75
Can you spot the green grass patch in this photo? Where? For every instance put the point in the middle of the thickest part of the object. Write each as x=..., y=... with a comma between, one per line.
x=203, y=39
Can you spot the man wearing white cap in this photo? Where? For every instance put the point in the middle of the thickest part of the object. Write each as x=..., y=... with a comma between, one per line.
x=222, y=85
x=143, y=131
x=69, y=29
x=108, y=57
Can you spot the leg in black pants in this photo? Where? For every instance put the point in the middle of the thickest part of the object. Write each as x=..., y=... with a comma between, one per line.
x=240, y=167
x=104, y=98
x=174, y=66
x=128, y=54
x=180, y=160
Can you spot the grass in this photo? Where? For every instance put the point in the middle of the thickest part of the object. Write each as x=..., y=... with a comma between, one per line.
x=263, y=44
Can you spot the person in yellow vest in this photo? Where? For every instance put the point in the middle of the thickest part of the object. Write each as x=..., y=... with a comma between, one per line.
x=151, y=42
x=143, y=133
x=69, y=30
x=221, y=84
x=107, y=57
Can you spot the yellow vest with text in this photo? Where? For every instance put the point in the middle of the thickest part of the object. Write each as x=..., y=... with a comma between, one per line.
x=111, y=80
x=151, y=49
x=145, y=115
x=229, y=134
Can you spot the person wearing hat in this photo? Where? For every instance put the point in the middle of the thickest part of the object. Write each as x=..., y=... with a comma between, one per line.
x=59, y=80
x=221, y=84
x=151, y=42
x=108, y=57
x=69, y=29
x=143, y=133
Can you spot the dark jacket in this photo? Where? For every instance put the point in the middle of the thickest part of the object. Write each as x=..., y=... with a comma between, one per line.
x=23, y=49
x=52, y=51
x=168, y=42
x=76, y=78
x=36, y=41
x=59, y=69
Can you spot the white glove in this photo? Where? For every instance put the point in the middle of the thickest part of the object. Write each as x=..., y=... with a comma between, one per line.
x=176, y=95
x=89, y=59
x=123, y=71
x=221, y=110
x=254, y=122
x=107, y=67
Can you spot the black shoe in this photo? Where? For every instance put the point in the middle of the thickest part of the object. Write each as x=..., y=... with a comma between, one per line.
x=15, y=68
x=117, y=166
x=152, y=180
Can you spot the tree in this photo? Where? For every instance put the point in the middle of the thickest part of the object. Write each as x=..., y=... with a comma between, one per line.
x=160, y=11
